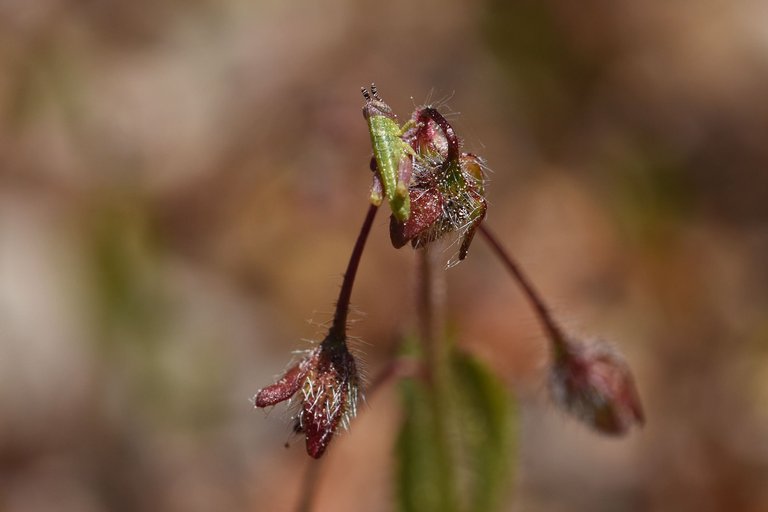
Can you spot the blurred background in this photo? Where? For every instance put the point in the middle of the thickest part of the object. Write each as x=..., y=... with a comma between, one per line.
x=181, y=183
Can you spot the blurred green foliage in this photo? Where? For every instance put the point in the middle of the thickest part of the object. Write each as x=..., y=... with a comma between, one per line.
x=454, y=448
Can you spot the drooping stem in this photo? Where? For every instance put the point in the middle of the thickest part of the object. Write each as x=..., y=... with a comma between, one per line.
x=552, y=329
x=339, y=326
x=337, y=337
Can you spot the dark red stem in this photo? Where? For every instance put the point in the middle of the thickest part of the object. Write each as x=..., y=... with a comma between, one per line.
x=450, y=135
x=339, y=327
x=542, y=311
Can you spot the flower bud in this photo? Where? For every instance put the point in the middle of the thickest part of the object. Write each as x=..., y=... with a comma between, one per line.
x=327, y=386
x=329, y=397
x=595, y=384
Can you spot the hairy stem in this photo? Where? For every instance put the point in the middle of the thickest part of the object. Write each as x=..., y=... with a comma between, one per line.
x=337, y=333
x=339, y=326
x=552, y=329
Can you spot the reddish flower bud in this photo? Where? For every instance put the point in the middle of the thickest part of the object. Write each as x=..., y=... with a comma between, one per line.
x=329, y=386
x=595, y=384
x=329, y=397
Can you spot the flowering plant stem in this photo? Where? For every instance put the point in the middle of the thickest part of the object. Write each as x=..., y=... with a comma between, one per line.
x=338, y=332
x=339, y=326
x=552, y=329
x=456, y=413
x=436, y=349
x=430, y=301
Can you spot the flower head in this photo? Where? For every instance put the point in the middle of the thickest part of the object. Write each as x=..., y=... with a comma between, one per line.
x=447, y=186
x=326, y=384
x=595, y=384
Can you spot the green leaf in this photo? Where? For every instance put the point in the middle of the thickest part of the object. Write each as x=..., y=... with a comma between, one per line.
x=423, y=484
x=483, y=419
x=454, y=450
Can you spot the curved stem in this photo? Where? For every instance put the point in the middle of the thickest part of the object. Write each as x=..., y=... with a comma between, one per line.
x=450, y=135
x=339, y=326
x=553, y=330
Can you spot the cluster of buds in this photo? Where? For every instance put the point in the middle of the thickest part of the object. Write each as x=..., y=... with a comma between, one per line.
x=447, y=193
x=594, y=383
x=432, y=187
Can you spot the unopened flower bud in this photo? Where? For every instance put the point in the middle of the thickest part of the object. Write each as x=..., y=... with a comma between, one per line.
x=327, y=386
x=595, y=384
x=329, y=397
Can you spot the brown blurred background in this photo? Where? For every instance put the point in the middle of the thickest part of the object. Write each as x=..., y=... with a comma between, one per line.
x=181, y=183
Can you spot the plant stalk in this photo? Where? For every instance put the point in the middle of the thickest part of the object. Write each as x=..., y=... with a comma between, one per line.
x=339, y=326
x=551, y=327
x=436, y=350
